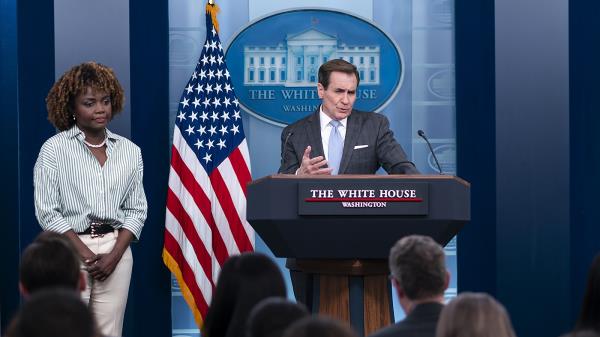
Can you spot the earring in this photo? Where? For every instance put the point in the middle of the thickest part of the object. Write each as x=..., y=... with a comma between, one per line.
x=73, y=116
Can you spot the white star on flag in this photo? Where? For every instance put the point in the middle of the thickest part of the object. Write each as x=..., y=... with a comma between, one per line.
x=185, y=102
x=225, y=116
x=204, y=116
x=223, y=130
x=212, y=130
x=196, y=102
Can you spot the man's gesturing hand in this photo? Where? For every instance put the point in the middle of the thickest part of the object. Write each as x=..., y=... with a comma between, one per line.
x=313, y=165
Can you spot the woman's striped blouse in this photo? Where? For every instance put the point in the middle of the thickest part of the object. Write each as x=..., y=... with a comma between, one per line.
x=72, y=189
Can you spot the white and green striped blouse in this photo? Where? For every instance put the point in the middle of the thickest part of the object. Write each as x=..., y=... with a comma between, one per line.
x=71, y=188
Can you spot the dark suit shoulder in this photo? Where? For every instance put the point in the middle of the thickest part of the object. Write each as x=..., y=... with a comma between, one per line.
x=367, y=115
x=301, y=123
x=400, y=329
x=390, y=331
x=421, y=322
x=406, y=329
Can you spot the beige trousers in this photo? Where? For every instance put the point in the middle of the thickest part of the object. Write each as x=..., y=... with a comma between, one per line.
x=108, y=298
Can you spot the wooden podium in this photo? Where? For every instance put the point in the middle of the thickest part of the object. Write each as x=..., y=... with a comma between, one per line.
x=336, y=232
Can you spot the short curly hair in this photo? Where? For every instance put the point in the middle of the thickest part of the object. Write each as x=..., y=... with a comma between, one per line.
x=74, y=82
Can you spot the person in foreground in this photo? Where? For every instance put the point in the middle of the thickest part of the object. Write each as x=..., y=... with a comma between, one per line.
x=581, y=333
x=272, y=316
x=53, y=313
x=336, y=139
x=474, y=315
x=588, y=322
x=316, y=326
x=419, y=276
x=50, y=261
x=88, y=186
x=243, y=282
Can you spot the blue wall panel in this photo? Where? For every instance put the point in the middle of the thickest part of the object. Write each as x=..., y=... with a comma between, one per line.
x=584, y=38
x=149, y=309
x=476, y=142
x=9, y=119
x=532, y=151
x=36, y=75
x=513, y=146
x=27, y=73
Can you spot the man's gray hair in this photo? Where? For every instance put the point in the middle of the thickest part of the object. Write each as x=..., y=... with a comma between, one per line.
x=418, y=264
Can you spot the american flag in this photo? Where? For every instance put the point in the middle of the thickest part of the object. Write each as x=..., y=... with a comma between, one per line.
x=210, y=166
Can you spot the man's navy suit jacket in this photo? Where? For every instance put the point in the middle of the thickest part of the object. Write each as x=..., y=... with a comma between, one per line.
x=421, y=322
x=369, y=144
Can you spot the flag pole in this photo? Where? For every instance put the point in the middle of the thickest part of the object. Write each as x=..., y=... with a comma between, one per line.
x=213, y=9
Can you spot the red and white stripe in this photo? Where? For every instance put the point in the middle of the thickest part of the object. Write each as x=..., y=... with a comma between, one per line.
x=206, y=219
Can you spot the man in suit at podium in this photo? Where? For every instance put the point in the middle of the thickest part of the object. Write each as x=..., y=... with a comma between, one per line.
x=419, y=275
x=336, y=139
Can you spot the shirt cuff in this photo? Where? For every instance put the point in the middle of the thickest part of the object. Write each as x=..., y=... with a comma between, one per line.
x=59, y=226
x=134, y=226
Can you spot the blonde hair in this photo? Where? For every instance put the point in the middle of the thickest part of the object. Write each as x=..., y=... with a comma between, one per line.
x=474, y=315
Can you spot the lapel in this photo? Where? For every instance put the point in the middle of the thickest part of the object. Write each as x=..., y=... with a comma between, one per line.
x=314, y=135
x=354, y=126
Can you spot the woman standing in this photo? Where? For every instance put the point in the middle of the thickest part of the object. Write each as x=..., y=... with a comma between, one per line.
x=88, y=186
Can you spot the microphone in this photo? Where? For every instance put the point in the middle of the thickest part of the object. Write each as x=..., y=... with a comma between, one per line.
x=421, y=134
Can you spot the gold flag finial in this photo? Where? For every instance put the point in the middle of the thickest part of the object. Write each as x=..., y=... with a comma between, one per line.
x=213, y=9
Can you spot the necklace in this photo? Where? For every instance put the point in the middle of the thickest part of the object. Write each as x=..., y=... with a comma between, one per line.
x=95, y=146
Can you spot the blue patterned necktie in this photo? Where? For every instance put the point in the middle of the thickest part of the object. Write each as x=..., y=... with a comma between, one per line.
x=336, y=147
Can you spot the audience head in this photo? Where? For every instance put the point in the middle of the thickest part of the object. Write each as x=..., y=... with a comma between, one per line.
x=272, y=316
x=589, y=317
x=244, y=281
x=418, y=270
x=50, y=261
x=474, y=315
x=54, y=313
x=315, y=326
x=582, y=333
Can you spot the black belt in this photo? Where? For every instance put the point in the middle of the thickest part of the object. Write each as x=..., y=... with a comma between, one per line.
x=97, y=229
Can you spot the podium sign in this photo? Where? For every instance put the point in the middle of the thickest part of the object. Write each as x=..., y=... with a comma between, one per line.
x=349, y=197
